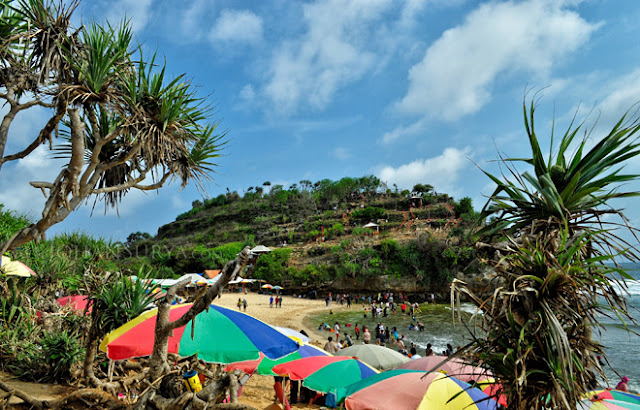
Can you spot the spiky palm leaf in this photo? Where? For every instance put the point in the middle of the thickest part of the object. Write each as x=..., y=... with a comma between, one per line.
x=552, y=245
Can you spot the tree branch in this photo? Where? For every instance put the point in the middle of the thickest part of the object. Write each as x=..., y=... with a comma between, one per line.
x=230, y=271
x=157, y=185
x=77, y=150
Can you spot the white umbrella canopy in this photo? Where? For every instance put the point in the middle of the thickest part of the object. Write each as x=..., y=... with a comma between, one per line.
x=260, y=249
x=380, y=357
x=293, y=334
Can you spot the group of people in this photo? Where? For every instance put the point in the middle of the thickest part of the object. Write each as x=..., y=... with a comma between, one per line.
x=242, y=303
x=278, y=301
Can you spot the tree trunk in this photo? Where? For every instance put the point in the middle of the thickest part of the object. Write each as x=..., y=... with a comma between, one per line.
x=158, y=361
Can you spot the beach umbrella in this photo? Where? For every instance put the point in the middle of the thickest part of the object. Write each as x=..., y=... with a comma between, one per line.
x=380, y=357
x=277, y=287
x=267, y=286
x=449, y=393
x=293, y=334
x=342, y=392
x=611, y=394
x=452, y=367
x=15, y=268
x=78, y=302
x=609, y=399
x=493, y=388
x=220, y=335
x=325, y=373
x=606, y=404
x=264, y=365
x=415, y=390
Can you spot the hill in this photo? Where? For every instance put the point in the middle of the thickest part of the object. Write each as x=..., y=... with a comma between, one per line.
x=414, y=242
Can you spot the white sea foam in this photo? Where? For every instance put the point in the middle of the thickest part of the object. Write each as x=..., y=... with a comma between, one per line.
x=467, y=308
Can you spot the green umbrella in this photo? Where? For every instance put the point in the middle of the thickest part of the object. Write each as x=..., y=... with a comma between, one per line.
x=325, y=373
x=342, y=392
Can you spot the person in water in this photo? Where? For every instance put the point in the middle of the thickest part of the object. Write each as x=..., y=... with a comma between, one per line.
x=622, y=386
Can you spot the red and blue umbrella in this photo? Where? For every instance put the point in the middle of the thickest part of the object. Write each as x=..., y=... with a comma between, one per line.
x=220, y=335
x=264, y=365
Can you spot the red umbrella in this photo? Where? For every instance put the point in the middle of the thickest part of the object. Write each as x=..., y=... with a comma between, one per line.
x=78, y=302
x=302, y=368
x=452, y=367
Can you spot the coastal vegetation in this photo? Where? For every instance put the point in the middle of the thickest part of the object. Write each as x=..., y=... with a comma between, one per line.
x=554, y=240
x=114, y=117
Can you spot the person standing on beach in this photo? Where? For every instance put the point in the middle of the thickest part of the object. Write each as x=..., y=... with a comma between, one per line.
x=271, y=301
x=244, y=304
x=357, y=330
x=280, y=302
x=336, y=328
x=239, y=304
x=366, y=336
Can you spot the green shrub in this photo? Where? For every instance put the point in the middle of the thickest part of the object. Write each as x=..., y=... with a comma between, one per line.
x=272, y=266
x=10, y=223
x=60, y=351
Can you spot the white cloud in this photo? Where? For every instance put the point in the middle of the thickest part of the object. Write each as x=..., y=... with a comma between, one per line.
x=623, y=93
x=402, y=131
x=237, y=26
x=341, y=153
x=247, y=94
x=334, y=51
x=442, y=171
x=139, y=11
x=456, y=75
x=192, y=19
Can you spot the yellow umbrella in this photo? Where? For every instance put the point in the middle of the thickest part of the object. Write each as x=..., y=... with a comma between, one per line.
x=15, y=268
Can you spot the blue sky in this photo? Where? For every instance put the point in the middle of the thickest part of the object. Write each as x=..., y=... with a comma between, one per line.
x=411, y=91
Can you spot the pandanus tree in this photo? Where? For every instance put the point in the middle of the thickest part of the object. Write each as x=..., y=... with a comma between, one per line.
x=115, y=118
x=553, y=241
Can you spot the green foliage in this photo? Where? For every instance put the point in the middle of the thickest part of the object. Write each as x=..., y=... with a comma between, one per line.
x=463, y=207
x=116, y=299
x=60, y=351
x=561, y=236
x=273, y=266
x=368, y=214
x=10, y=223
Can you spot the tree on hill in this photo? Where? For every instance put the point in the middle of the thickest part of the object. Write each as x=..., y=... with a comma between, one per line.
x=115, y=117
x=553, y=240
x=422, y=189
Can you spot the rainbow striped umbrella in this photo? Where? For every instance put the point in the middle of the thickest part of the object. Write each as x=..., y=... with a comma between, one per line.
x=610, y=399
x=325, y=374
x=264, y=365
x=420, y=391
x=220, y=335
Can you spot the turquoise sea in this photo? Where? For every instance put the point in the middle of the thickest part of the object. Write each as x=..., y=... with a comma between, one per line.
x=622, y=347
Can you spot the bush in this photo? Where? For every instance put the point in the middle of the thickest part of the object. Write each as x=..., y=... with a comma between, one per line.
x=368, y=214
x=60, y=351
x=272, y=266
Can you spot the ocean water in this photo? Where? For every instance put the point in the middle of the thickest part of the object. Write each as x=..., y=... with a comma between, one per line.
x=622, y=347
